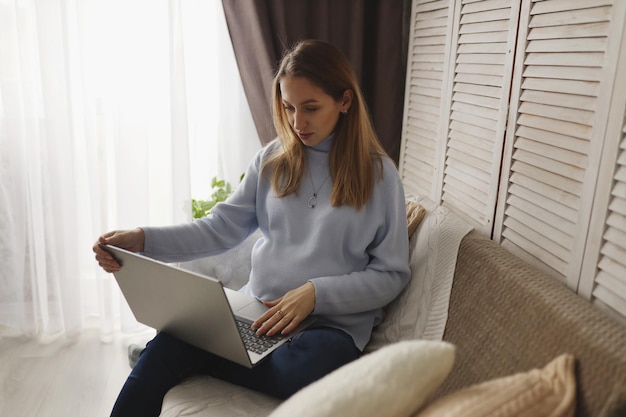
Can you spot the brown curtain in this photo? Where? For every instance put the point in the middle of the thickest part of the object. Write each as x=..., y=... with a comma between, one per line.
x=372, y=33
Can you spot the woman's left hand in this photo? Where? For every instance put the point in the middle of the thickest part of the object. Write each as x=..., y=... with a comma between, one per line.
x=287, y=312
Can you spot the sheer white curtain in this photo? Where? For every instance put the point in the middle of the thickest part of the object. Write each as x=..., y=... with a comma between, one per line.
x=113, y=114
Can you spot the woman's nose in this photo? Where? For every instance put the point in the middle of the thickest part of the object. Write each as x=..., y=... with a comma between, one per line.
x=299, y=121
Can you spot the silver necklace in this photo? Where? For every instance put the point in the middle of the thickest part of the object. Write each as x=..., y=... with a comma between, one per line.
x=312, y=202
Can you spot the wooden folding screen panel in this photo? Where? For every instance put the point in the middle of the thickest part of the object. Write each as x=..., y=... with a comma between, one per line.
x=427, y=70
x=564, y=75
x=484, y=34
x=603, y=278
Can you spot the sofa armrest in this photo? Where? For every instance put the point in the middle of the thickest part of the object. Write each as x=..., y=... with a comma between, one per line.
x=507, y=317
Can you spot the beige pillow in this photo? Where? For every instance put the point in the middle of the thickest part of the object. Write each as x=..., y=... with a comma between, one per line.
x=415, y=213
x=394, y=381
x=546, y=392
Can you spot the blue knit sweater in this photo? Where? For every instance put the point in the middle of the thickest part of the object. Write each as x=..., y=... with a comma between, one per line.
x=358, y=261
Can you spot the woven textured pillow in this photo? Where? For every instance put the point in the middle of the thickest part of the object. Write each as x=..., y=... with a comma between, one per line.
x=420, y=311
x=546, y=392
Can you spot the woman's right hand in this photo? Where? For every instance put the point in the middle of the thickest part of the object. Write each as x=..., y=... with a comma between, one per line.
x=131, y=240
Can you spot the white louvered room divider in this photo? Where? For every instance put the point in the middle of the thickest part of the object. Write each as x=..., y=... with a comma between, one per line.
x=507, y=124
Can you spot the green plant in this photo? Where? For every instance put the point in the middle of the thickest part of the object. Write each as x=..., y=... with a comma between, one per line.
x=221, y=190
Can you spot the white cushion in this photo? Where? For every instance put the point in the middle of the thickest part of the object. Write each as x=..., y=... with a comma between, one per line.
x=421, y=309
x=393, y=381
x=205, y=396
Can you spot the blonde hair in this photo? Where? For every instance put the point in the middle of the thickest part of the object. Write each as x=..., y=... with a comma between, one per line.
x=355, y=158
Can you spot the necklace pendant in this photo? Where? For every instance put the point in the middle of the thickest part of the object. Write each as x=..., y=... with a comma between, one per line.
x=312, y=202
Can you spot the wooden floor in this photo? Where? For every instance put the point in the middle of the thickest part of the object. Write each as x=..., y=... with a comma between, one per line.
x=65, y=378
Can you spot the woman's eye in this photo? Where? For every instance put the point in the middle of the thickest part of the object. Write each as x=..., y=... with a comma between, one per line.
x=292, y=109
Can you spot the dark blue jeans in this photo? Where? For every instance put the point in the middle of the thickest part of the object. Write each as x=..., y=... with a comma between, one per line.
x=167, y=361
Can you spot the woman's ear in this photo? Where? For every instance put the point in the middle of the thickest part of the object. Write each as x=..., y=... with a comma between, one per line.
x=346, y=100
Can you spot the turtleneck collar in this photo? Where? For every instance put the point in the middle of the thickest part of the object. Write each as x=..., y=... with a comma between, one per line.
x=325, y=145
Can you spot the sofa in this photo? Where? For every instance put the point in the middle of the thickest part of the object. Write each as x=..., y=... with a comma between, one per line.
x=478, y=331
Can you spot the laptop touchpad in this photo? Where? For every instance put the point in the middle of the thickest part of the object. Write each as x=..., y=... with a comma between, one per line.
x=251, y=311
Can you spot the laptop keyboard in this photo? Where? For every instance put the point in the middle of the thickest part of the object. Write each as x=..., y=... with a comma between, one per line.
x=254, y=342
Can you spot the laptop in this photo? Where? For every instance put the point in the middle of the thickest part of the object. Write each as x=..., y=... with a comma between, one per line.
x=195, y=308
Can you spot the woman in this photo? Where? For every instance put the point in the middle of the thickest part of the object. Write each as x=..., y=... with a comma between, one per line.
x=331, y=209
